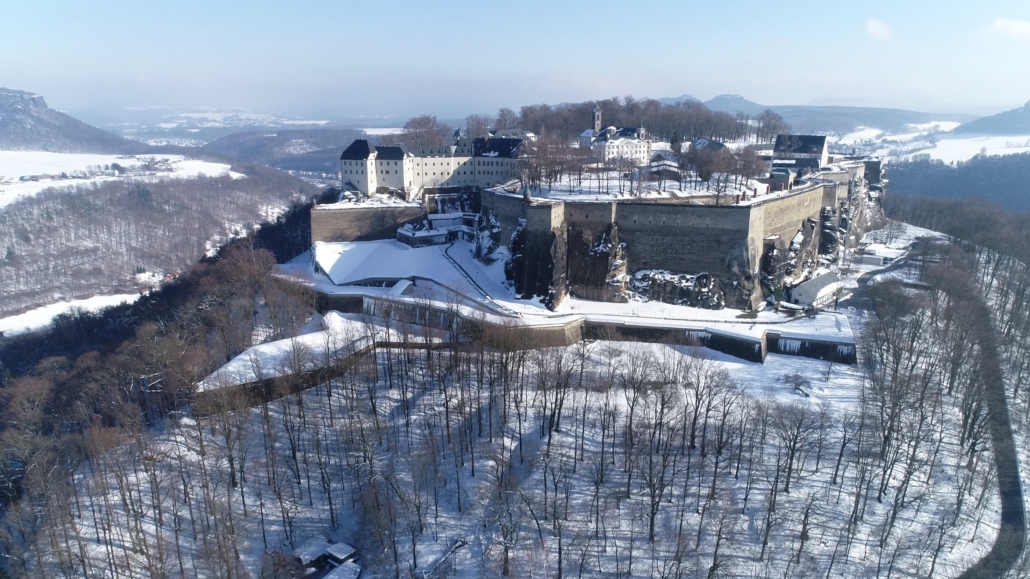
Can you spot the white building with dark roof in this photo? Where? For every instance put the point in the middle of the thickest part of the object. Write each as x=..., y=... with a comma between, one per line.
x=611, y=143
x=484, y=162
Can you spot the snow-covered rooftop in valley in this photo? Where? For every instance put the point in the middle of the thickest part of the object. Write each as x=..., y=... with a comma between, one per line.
x=311, y=550
x=340, y=550
x=40, y=318
x=26, y=173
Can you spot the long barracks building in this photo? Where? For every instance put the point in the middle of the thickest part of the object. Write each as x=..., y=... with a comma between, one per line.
x=483, y=162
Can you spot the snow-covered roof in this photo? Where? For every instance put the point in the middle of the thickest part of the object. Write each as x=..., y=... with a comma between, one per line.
x=703, y=144
x=341, y=551
x=341, y=333
x=311, y=550
x=625, y=141
x=354, y=261
x=400, y=288
x=818, y=287
x=348, y=570
x=509, y=148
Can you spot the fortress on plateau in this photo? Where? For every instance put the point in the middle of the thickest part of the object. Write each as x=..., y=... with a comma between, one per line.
x=704, y=247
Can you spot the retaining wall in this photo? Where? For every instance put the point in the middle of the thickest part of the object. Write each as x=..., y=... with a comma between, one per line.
x=341, y=223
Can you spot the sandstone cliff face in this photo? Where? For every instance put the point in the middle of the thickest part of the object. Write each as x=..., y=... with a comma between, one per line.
x=28, y=124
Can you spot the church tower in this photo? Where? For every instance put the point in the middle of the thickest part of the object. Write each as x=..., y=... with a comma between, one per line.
x=597, y=119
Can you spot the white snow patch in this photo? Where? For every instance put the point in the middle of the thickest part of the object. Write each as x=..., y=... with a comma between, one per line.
x=41, y=317
x=26, y=173
x=954, y=148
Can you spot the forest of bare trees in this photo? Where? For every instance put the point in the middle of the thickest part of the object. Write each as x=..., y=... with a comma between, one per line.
x=683, y=122
x=677, y=123
x=598, y=459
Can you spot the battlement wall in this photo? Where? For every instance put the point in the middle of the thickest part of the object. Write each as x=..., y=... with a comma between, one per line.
x=782, y=217
x=684, y=238
x=335, y=223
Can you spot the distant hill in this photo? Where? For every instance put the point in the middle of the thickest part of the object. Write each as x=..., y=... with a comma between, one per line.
x=27, y=123
x=320, y=161
x=268, y=148
x=838, y=119
x=1014, y=122
x=833, y=119
x=734, y=103
x=677, y=100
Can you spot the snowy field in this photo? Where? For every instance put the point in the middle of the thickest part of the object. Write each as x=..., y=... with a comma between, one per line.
x=82, y=169
x=955, y=148
x=934, y=139
x=867, y=136
x=40, y=318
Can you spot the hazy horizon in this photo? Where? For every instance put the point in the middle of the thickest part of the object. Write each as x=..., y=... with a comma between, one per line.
x=314, y=59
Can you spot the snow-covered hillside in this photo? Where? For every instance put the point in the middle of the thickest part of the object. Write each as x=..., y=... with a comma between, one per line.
x=26, y=173
x=935, y=139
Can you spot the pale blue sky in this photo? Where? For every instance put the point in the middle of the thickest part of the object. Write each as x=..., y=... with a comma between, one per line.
x=316, y=57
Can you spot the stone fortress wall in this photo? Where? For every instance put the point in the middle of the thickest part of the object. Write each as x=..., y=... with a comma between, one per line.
x=726, y=241
x=348, y=223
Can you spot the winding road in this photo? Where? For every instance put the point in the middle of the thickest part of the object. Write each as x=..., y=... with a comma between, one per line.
x=1008, y=546
x=1011, y=539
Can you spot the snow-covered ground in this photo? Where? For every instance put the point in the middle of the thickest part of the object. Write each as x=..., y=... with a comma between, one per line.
x=379, y=131
x=934, y=139
x=353, y=199
x=40, y=318
x=46, y=169
x=341, y=334
x=865, y=137
x=891, y=243
x=609, y=185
